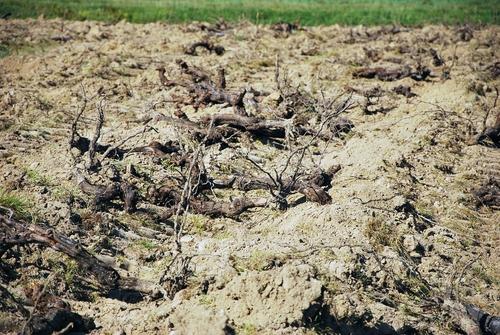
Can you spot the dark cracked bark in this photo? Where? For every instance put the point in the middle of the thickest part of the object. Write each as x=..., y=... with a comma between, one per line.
x=103, y=195
x=14, y=232
x=217, y=49
x=312, y=186
x=383, y=74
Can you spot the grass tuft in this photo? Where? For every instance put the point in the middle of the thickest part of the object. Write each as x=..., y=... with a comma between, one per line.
x=379, y=233
x=247, y=329
x=14, y=202
x=36, y=178
x=4, y=50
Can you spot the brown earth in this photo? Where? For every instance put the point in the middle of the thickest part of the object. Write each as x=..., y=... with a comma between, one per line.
x=402, y=246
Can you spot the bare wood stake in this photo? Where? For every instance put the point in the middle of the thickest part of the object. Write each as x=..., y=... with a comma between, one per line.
x=221, y=80
x=490, y=109
x=187, y=190
x=130, y=197
x=93, y=144
x=490, y=136
x=277, y=72
x=75, y=137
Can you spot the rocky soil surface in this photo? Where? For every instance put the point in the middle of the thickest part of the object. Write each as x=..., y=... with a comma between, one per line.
x=397, y=236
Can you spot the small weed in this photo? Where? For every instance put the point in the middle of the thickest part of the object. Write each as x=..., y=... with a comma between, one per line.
x=4, y=50
x=405, y=309
x=70, y=272
x=379, y=233
x=223, y=235
x=257, y=64
x=43, y=104
x=62, y=193
x=163, y=263
x=247, y=329
x=304, y=227
x=36, y=178
x=355, y=63
x=207, y=300
x=265, y=231
x=427, y=140
x=149, y=245
x=330, y=284
x=137, y=220
x=258, y=260
x=240, y=37
x=146, y=244
x=481, y=273
x=417, y=286
x=466, y=214
x=349, y=135
x=94, y=297
x=143, y=170
x=263, y=194
x=197, y=223
x=226, y=169
x=424, y=209
x=39, y=47
x=168, y=165
x=15, y=202
x=121, y=260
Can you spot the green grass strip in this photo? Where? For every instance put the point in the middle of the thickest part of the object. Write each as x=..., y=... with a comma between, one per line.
x=307, y=12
